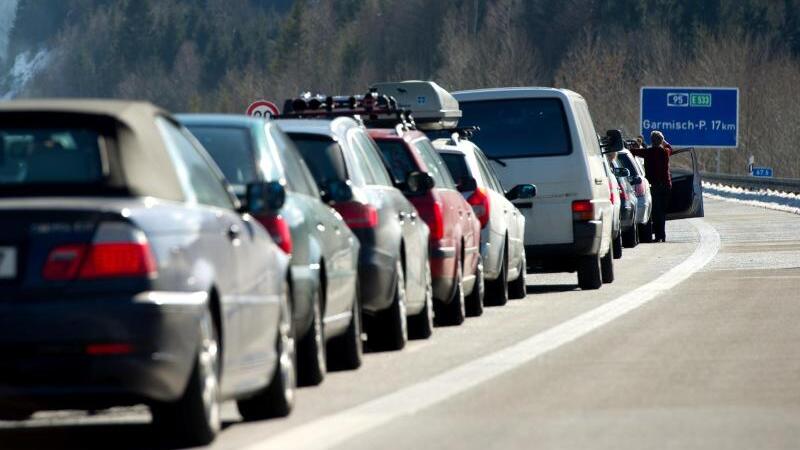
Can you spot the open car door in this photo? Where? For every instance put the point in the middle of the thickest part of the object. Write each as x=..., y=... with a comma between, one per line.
x=687, y=186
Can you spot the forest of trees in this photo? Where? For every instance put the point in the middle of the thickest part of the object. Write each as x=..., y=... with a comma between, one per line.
x=217, y=55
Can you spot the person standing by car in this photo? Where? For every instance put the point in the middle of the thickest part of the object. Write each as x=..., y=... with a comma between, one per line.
x=656, y=167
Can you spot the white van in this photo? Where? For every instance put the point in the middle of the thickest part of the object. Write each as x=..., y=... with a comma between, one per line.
x=546, y=137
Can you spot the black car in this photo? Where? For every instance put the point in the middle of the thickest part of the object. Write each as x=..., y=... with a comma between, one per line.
x=324, y=264
x=394, y=273
x=130, y=274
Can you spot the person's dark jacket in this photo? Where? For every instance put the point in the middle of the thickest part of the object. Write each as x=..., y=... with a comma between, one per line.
x=656, y=165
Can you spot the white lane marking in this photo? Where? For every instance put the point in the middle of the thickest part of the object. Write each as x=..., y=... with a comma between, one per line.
x=327, y=432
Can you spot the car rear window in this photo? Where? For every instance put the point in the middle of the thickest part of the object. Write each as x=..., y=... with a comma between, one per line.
x=397, y=160
x=628, y=163
x=322, y=155
x=516, y=128
x=457, y=164
x=232, y=150
x=50, y=156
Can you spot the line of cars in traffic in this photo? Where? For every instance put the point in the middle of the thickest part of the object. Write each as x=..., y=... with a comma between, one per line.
x=179, y=261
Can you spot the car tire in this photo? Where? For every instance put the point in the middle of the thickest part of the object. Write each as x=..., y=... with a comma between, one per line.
x=630, y=237
x=452, y=313
x=617, y=246
x=420, y=326
x=473, y=303
x=311, y=358
x=389, y=329
x=277, y=399
x=497, y=290
x=589, y=276
x=518, y=289
x=607, y=268
x=346, y=352
x=646, y=232
x=194, y=419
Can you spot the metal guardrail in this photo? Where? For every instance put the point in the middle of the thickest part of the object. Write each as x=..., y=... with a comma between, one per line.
x=745, y=181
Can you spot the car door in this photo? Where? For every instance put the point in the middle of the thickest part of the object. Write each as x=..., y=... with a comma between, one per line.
x=410, y=224
x=237, y=249
x=686, y=200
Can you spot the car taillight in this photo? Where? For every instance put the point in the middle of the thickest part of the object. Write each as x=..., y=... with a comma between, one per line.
x=639, y=189
x=99, y=260
x=436, y=225
x=582, y=210
x=278, y=229
x=622, y=194
x=480, y=205
x=118, y=251
x=358, y=215
x=109, y=349
x=611, y=190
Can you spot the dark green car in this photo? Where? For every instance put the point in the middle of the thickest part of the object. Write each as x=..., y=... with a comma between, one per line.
x=324, y=252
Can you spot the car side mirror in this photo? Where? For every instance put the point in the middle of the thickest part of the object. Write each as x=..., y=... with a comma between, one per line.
x=622, y=172
x=337, y=191
x=467, y=184
x=264, y=197
x=613, y=141
x=521, y=192
x=636, y=180
x=419, y=182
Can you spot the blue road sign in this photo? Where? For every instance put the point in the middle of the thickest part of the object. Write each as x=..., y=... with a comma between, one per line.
x=765, y=172
x=691, y=117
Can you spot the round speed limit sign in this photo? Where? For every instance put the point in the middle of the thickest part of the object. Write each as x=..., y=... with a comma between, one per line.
x=262, y=108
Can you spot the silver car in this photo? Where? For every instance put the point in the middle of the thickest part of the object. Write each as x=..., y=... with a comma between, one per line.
x=502, y=224
x=644, y=199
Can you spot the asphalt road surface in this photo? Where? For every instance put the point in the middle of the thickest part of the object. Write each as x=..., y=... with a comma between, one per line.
x=696, y=345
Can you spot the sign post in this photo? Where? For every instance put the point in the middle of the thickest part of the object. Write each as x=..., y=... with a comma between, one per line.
x=262, y=108
x=692, y=116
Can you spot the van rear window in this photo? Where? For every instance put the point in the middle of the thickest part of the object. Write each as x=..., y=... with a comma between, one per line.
x=49, y=156
x=518, y=128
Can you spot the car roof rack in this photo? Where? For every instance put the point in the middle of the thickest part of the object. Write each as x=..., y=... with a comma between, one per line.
x=371, y=109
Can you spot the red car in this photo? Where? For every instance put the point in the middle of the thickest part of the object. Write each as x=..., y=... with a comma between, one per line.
x=454, y=248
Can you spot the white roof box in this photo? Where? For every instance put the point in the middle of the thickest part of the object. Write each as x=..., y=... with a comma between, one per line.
x=432, y=107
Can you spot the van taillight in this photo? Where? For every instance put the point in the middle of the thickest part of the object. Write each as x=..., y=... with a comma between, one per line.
x=480, y=205
x=99, y=260
x=278, y=229
x=358, y=215
x=582, y=210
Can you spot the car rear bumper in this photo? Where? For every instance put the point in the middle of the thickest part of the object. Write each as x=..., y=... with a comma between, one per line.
x=46, y=363
x=443, y=271
x=587, y=237
x=627, y=216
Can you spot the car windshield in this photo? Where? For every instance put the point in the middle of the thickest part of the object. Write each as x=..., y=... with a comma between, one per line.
x=47, y=156
x=518, y=127
x=232, y=150
x=322, y=155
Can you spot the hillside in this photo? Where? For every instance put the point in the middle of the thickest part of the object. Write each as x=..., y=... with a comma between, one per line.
x=219, y=54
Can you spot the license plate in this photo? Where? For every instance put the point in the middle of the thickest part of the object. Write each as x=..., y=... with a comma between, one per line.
x=8, y=263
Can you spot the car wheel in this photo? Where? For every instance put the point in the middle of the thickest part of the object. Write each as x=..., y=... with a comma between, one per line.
x=630, y=237
x=420, y=326
x=518, y=288
x=277, y=399
x=589, y=277
x=607, y=268
x=311, y=364
x=194, y=419
x=389, y=329
x=646, y=232
x=452, y=313
x=617, y=246
x=473, y=303
x=345, y=352
x=497, y=290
